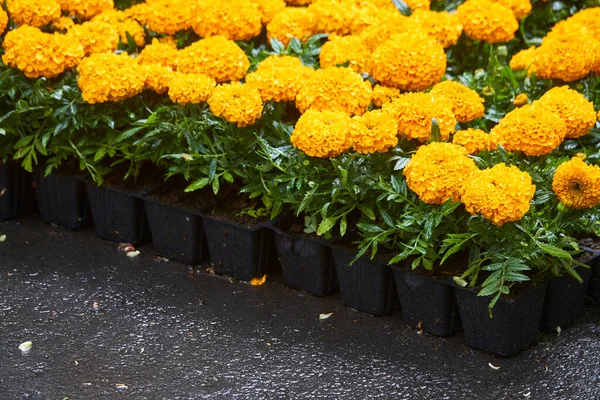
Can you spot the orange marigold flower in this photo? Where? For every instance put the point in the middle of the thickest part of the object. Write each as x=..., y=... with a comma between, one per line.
x=572, y=107
x=383, y=27
x=373, y=132
x=238, y=104
x=532, y=130
x=63, y=24
x=215, y=56
x=520, y=8
x=124, y=25
x=568, y=58
x=488, y=21
x=333, y=16
x=268, y=9
x=167, y=16
x=340, y=50
x=500, y=194
x=335, y=89
x=409, y=61
x=190, y=88
x=323, y=133
x=40, y=54
x=85, y=9
x=383, y=94
x=157, y=77
x=465, y=103
x=298, y=2
x=414, y=113
x=33, y=12
x=290, y=23
x=3, y=20
x=109, y=77
x=158, y=53
x=521, y=100
x=590, y=18
x=95, y=36
x=442, y=26
x=523, y=59
x=139, y=12
x=577, y=184
x=233, y=19
x=437, y=171
x=418, y=4
x=474, y=140
x=279, y=78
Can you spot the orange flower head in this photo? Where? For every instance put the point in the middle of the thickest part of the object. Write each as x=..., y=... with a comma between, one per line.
x=465, y=103
x=487, y=21
x=190, y=88
x=572, y=107
x=474, y=140
x=279, y=78
x=577, y=184
x=323, y=134
x=232, y=19
x=373, y=132
x=238, y=104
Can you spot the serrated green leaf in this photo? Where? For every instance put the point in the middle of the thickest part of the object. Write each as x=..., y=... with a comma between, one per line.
x=199, y=184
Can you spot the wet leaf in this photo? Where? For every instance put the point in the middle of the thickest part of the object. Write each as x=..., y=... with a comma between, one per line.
x=132, y=254
x=459, y=281
x=2, y=238
x=259, y=281
x=325, y=316
x=25, y=347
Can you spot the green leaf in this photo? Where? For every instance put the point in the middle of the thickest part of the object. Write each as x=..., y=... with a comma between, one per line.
x=24, y=141
x=401, y=163
x=367, y=211
x=554, y=251
x=215, y=186
x=228, y=177
x=436, y=135
x=277, y=46
x=100, y=154
x=326, y=225
x=199, y=184
x=343, y=225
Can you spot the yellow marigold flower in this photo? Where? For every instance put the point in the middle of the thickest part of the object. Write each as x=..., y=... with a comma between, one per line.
x=465, y=103
x=323, y=134
x=139, y=12
x=345, y=49
x=383, y=94
x=577, y=184
x=168, y=16
x=233, y=19
x=523, y=59
x=215, y=56
x=95, y=36
x=124, y=25
x=488, y=21
x=33, y=12
x=572, y=107
x=373, y=132
x=40, y=54
x=532, y=130
x=298, y=2
x=159, y=54
x=157, y=77
x=414, y=112
x=170, y=40
x=238, y=104
x=520, y=8
x=333, y=16
x=567, y=60
x=190, y=88
x=268, y=9
x=384, y=27
x=279, y=78
x=335, y=89
x=63, y=24
x=290, y=23
x=590, y=18
x=109, y=77
x=442, y=26
x=474, y=140
x=521, y=100
x=500, y=194
x=3, y=20
x=437, y=171
x=409, y=61
x=418, y=4
x=85, y=9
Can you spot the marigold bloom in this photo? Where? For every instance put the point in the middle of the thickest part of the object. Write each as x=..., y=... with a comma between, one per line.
x=63, y=24
x=3, y=20
x=190, y=88
x=523, y=59
x=442, y=26
x=414, y=113
x=139, y=12
x=465, y=103
x=85, y=9
x=233, y=19
x=520, y=8
x=95, y=36
x=533, y=130
x=577, y=184
x=418, y=4
x=572, y=107
x=474, y=140
x=488, y=21
x=437, y=171
x=158, y=53
x=268, y=9
x=567, y=60
x=383, y=94
x=33, y=12
x=340, y=50
x=291, y=23
x=322, y=133
x=166, y=16
x=279, y=78
x=590, y=18
x=157, y=77
x=123, y=25
x=383, y=27
x=333, y=16
x=298, y=2
x=500, y=194
x=109, y=77
x=409, y=61
x=215, y=56
x=373, y=132
x=520, y=100
x=335, y=89
x=238, y=104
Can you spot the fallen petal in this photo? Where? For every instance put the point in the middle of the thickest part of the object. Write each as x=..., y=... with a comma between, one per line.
x=259, y=281
x=492, y=366
x=25, y=347
x=132, y=254
x=325, y=316
x=2, y=238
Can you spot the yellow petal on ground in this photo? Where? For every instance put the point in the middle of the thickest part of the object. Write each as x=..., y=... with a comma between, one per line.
x=259, y=281
x=325, y=316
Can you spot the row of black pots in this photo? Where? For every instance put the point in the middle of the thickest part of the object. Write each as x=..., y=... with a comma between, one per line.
x=309, y=264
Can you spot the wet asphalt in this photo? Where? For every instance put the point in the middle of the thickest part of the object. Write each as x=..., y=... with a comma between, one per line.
x=105, y=326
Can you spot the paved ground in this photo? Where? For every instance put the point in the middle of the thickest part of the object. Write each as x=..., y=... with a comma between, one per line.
x=161, y=330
